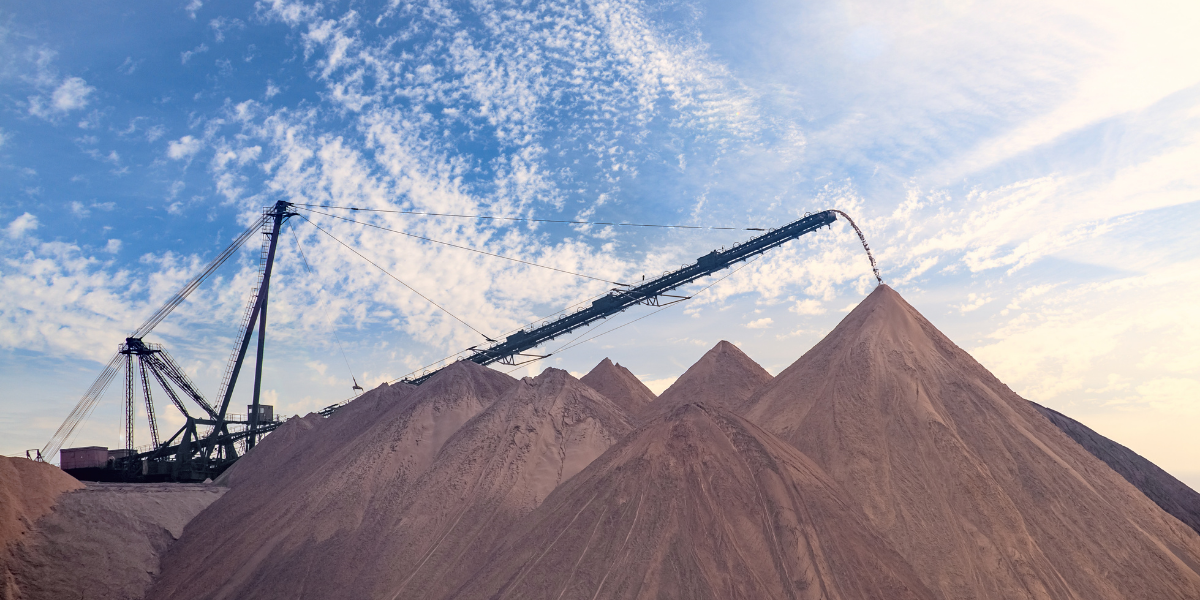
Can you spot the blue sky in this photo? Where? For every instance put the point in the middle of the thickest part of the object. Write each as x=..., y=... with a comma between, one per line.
x=1024, y=170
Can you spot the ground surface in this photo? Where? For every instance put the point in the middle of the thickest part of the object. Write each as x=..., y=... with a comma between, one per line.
x=103, y=541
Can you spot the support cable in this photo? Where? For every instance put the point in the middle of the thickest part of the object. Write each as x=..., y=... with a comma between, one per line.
x=191, y=286
x=83, y=408
x=333, y=329
x=385, y=272
x=530, y=220
x=411, y=235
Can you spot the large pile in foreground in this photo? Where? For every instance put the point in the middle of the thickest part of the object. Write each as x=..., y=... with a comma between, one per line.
x=28, y=490
x=981, y=494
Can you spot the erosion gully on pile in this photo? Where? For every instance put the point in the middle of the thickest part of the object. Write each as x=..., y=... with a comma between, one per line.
x=884, y=463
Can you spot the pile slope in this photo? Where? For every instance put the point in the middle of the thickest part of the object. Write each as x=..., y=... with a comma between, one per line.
x=28, y=490
x=619, y=385
x=980, y=493
x=289, y=449
x=1170, y=494
x=273, y=535
x=495, y=470
x=103, y=541
x=696, y=504
x=724, y=378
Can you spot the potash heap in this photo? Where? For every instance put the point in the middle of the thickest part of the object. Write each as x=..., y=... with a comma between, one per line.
x=884, y=463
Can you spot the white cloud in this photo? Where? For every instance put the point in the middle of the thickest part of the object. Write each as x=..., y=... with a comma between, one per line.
x=130, y=65
x=1072, y=342
x=113, y=246
x=21, y=225
x=762, y=323
x=658, y=386
x=71, y=94
x=193, y=6
x=78, y=209
x=187, y=55
x=974, y=302
x=809, y=306
x=184, y=148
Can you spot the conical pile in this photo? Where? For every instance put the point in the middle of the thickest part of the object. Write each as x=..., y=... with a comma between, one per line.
x=696, y=504
x=978, y=491
x=723, y=378
x=498, y=467
x=619, y=385
x=439, y=477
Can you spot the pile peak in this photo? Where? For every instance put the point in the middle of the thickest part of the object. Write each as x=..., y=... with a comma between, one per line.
x=723, y=378
x=619, y=385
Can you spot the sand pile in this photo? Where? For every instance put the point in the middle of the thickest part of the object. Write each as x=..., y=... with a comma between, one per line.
x=981, y=494
x=723, y=378
x=619, y=385
x=418, y=487
x=290, y=448
x=496, y=469
x=28, y=490
x=104, y=541
x=697, y=504
x=1168, y=493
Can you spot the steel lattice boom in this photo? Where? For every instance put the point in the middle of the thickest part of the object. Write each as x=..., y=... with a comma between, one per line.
x=649, y=293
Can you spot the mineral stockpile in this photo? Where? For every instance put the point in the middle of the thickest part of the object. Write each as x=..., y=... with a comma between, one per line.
x=28, y=490
x=697, y=504
x=884, y=463
x=723, y=378
x=278, y=533
x=979, y=492
x=619, y=385
x=104, y=541
x=455, y=463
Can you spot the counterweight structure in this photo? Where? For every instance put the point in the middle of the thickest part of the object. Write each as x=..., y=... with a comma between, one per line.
x=206, y=444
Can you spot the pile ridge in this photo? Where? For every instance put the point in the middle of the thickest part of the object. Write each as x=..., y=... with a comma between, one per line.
x=697, y=504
